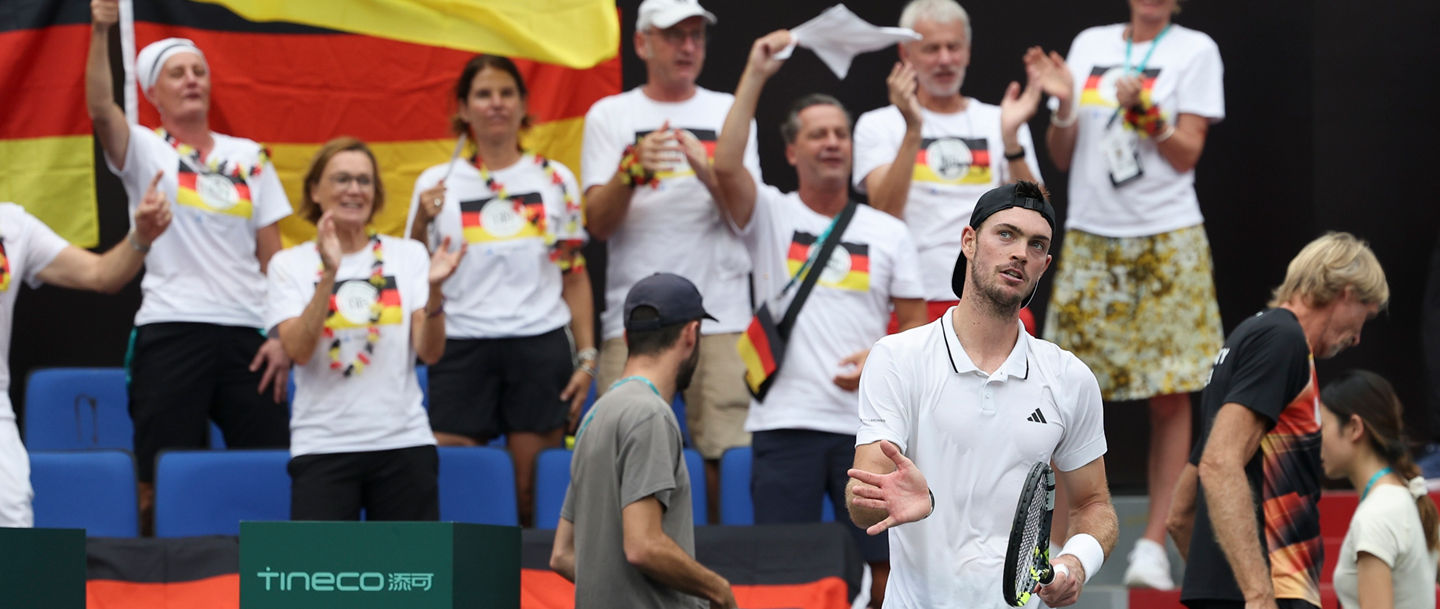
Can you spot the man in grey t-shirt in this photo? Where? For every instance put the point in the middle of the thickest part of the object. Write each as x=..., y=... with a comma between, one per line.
x=629, y=492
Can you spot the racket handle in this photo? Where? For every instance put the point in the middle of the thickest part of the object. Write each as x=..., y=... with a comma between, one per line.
x=1055, y=571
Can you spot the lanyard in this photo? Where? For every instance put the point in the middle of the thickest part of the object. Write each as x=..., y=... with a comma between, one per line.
x=1153, y=43
x=591, y=415
x=1382, y=472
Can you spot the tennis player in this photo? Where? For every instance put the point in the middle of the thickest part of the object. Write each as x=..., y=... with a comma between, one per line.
x=975, y=400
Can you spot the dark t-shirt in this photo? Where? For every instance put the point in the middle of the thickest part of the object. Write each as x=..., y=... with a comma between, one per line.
x=1266, y=366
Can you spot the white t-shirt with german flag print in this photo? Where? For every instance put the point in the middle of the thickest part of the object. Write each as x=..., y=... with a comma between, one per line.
x=1183, y=75
x=506, y=285
x=962, y=156
x=204, y=269
x=847, y=312
x=675, y=226
x=377, y=408
x=27, y=246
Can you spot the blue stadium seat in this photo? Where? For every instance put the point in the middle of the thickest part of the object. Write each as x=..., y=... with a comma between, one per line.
x=736, y=507
x=82, y=408
x=210, y=492
x=92, y=490
x=76, y=409
x=552, y=478
x=477, y=485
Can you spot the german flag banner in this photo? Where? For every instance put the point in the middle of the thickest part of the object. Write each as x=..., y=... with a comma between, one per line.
x=301, y=73
x=46, y=149
x=809, y=566
x=848, y=267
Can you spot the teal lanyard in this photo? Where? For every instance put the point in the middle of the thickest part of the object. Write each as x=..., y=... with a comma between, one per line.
x=1382, y=472
x=591, y=415
x=1140, y=69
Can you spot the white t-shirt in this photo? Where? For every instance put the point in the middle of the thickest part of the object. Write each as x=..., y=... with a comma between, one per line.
x=205, y=269
x=27, y=246
x=506, y=285
x=675, y=227
x=962, y=156
x=1183, y=75
x=846, y=312
x=377, y=408
x=975, y=437
x=1387, y=525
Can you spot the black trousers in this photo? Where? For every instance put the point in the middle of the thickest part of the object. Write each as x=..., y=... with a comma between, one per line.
x=399, y=484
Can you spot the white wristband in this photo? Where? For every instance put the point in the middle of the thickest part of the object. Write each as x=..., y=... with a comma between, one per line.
x=1062, y=123
x=1087, y=550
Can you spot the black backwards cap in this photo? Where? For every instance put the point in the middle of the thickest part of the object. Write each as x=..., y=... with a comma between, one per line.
x=996, y=200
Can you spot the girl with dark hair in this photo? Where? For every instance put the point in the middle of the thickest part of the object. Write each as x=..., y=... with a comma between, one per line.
x=1389, y=555
x=521, y=304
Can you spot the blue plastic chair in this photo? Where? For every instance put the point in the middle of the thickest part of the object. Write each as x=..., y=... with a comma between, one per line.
x=92, y=490
x=77, y=409
x=477, y=485
x=552, y=479
x=210, y=492
x=736, y=504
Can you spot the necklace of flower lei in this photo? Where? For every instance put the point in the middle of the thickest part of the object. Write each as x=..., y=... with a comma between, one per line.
x=188, y=152
x=372, y=330
x=4, y=267
x=571, y=207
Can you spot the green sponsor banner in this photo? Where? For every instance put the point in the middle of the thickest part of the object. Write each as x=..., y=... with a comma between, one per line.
x=42, y=568
x=373, y=565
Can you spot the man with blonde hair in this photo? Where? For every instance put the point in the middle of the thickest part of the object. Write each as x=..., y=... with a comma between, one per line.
x=1262, y=436
x=928, y=156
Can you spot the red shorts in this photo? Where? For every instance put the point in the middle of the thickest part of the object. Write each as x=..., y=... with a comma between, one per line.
x=935, y=308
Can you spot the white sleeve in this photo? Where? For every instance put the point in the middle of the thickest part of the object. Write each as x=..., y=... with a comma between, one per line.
x=906, y=282
x=601, y=149
x=874, y=145
x=271, y=202
x=415, y=286
x=287, y=289
x=1376, y=535
x=41, y=247
x=884, y=414
x=1201, y=90
x=1083, y=439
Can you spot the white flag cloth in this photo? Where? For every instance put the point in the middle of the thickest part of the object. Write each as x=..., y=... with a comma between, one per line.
x=838, y=35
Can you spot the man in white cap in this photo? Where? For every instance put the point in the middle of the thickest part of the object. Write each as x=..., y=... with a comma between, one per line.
x=928, y=156
x=198, y=351
x=33, y=253
x=657, y=211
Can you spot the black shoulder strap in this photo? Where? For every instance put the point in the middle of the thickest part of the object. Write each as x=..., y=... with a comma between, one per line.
x=808, y=283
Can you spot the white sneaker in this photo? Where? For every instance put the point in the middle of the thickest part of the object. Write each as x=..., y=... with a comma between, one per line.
x=1149, y=567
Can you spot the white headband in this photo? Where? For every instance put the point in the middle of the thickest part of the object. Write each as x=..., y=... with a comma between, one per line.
x=152, y=59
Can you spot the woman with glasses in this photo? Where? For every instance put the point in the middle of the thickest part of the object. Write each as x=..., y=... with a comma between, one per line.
x=520, y=350
x=354, y=309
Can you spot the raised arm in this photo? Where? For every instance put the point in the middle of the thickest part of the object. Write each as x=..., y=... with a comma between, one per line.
x=1092, y=522
x=109, y=119
x=299, y=335
x=80, y=269
x=1049, y=72
x=607, y=204
x=736, y=185
x=889, y=184
x=1234, y=437
x=427, y=325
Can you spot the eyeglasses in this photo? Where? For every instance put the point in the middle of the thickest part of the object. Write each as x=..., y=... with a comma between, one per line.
x=344, y=180
x=678, y=37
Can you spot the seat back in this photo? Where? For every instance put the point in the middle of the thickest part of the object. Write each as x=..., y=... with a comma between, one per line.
x=735, y=505
x=77, y=409
x=210, y=492
x=477, y=485
x=92, y=490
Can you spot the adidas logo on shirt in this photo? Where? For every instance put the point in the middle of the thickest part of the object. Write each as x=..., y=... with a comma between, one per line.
x=1037, y=417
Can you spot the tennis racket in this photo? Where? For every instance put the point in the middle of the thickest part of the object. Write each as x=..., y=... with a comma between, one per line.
x=1027, y=557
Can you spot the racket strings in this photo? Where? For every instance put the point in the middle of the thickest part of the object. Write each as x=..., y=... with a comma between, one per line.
x=1030, y=541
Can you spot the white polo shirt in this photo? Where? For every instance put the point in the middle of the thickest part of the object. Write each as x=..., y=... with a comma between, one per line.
x=975, y=437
